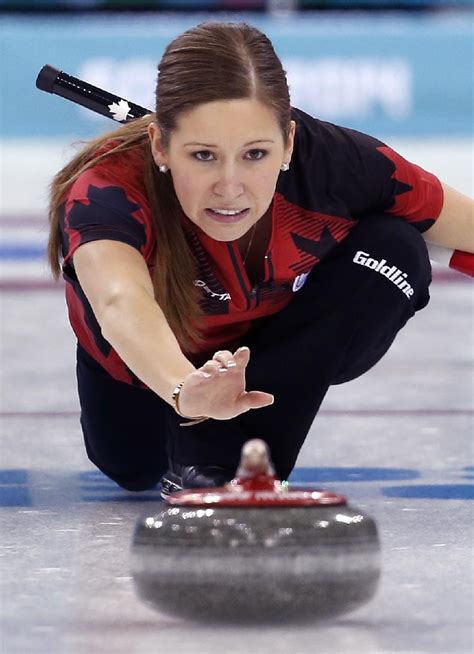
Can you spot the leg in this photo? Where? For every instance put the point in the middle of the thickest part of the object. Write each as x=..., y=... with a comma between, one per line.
x=124, y=427
x=337, y=327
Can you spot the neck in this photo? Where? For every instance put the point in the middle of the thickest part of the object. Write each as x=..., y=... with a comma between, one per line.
x=243, y=241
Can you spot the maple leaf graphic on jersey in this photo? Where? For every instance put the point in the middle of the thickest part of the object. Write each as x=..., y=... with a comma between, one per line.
x=317, y=248
x=119, y=110
x=415, y=194
x=107, y=213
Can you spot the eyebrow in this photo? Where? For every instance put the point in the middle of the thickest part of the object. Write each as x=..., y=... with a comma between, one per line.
x=208, y=145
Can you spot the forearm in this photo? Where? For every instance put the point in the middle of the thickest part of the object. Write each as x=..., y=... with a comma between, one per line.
x=134, y=324
x=117, y=283
x=454, y=228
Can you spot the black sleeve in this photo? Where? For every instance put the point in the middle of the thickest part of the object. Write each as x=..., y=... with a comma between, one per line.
x=105, y=213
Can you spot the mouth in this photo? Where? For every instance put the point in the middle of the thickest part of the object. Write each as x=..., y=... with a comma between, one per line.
x=227, y=218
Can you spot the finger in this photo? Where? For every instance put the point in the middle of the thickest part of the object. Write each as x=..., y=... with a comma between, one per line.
x=242, y=355
x=211, y=367
x=225, y=358
x=256, y=400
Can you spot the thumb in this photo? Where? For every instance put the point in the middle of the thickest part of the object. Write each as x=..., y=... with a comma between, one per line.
x=257, y=400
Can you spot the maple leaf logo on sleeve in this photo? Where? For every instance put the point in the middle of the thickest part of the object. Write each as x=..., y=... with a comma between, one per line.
x=119, y=110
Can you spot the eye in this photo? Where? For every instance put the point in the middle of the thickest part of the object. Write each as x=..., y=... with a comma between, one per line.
x=203, y=155
x=256, y=155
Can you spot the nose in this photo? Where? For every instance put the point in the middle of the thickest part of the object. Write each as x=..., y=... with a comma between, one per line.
x=228, y=184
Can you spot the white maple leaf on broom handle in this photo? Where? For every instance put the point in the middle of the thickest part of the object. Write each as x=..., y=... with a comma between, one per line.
x=119, y=110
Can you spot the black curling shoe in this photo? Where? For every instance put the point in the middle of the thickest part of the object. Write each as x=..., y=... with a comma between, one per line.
x=180, y=477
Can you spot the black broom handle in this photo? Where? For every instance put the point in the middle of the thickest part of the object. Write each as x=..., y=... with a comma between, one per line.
x=102, y=102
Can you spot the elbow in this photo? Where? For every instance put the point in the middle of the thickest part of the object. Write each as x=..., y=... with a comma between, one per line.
x=115, y=309
x=108, y=313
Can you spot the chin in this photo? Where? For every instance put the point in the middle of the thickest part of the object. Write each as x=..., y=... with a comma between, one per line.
x=224, y=238
x=226, y=233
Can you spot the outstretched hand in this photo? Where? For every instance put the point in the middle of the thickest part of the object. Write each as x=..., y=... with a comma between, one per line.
x=217, y=389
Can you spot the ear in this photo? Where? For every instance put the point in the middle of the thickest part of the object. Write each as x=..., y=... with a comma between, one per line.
x=291, y=140
x=154, y=134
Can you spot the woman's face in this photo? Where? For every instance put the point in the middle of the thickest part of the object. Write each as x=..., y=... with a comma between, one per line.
x=223, y=156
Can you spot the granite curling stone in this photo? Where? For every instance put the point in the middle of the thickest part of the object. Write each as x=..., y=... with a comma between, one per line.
x=256, y=549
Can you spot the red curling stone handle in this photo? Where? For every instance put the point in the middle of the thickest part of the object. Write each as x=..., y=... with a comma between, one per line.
x=255, y=485
x=263, y=492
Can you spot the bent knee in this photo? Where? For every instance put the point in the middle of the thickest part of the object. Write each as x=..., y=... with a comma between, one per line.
x=385, y=241
x=137, y=483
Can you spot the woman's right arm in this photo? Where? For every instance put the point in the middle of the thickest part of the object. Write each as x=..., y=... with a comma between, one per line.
x=117, y=283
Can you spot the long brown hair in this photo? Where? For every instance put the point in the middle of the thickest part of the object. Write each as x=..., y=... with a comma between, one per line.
x=212, y=61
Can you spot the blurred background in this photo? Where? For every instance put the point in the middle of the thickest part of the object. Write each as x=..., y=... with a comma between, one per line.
x=400, y=70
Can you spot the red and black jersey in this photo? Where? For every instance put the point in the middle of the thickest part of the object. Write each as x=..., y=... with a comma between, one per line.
x=337, y=176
